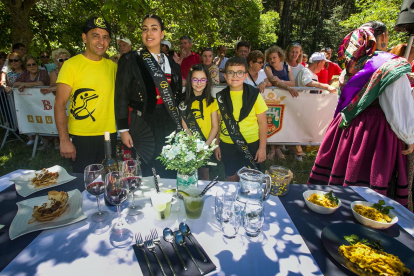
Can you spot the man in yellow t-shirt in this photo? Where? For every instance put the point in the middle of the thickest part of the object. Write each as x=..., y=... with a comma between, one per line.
x=88, y=82
x=253, y=125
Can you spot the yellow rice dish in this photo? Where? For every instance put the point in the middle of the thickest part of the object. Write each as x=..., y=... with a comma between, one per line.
x=373, y=260
x=372, y=213
x=322, y=200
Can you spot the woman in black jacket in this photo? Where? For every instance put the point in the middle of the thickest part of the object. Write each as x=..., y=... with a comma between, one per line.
x=140, y=78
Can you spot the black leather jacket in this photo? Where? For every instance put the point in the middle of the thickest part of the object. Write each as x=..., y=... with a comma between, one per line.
x=134, y=87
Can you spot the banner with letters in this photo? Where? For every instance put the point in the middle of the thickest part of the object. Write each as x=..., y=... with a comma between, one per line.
x=35, y=111
x=301, y=120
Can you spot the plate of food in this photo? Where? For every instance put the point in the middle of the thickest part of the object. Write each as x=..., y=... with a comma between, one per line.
x=374, y=215
x=30, y=183
x=322, y=202
x=366, y=251
x=45, y=212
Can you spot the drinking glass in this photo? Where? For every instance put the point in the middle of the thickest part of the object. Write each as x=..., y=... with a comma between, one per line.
x=133, y=175
x=116, y=192
x=193, y=203
x=253, y=218
x=230, y=219
x=223, y=198
x=94, y=184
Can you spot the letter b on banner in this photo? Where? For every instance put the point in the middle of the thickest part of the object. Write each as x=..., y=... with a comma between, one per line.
x=46, y=105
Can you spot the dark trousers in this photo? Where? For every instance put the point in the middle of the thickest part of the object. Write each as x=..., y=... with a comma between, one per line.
x=90, y=150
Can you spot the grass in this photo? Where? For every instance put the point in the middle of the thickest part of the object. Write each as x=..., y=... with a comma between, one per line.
x=16, y=155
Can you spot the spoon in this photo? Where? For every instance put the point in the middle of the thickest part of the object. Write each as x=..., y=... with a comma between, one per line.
x=169, y=237
x=186, y=232
x=179, y=239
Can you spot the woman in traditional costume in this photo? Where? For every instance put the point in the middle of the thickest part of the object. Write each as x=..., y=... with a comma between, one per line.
x=372, y=132
x=148, y=86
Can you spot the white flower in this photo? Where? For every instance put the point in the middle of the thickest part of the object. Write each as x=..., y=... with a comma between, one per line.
x=190, y=156
x=170, y=154
x=200, y=147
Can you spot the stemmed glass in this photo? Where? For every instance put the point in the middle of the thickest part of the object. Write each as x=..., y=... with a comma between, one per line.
x=116, y=192
x=133, y=175
x=94, y=184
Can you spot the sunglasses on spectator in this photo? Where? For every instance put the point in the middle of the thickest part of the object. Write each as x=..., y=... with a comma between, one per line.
x=202, y=80
x=31, y=64
x=239, y=74
x=295, y=43
x=260, y=62
x=14, y=60
x=62, y=59
x=44, y=56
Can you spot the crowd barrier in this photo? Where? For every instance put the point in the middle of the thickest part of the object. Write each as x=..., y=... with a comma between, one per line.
x=291, y=121
x=8, y=118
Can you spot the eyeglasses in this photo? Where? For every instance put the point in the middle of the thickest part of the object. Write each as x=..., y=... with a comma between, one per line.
x=31, y=65
x=62, y=59
x=14, y=60
x=260, y=62
x=295, y=43
x=202, y=80
x=239, y=74
x=44, y=56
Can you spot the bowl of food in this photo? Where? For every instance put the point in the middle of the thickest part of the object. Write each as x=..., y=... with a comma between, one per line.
x=374, y=215
x=321, y=202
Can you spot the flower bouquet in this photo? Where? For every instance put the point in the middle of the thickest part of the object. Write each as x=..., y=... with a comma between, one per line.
x=186, y=153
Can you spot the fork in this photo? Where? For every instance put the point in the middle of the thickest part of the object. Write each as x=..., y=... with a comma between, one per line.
x=151, y=247
x=157, y=241
x=140, y=243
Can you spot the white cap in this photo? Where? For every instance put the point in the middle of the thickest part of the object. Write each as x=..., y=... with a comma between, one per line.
x=315, y=57
x=124, y=39
x=167, y=43
x=106, y=136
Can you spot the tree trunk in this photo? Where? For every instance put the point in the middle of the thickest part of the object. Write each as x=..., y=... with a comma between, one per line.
x=20, y=15
x=284, y=32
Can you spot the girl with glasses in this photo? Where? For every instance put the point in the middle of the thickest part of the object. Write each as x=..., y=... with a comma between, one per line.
x=201, y=106
x=16, y=67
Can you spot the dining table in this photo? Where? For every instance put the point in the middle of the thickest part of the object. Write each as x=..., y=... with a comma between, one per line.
x=289, y=242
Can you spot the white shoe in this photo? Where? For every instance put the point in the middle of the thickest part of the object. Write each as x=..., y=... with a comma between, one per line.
x=31, y=142
x=303, y=154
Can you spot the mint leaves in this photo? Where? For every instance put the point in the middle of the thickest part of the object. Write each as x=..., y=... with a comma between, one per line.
x=354, y=239
x=383, y=209
x=332, y=198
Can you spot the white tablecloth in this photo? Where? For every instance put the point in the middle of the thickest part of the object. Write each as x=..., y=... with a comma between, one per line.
x=74, y=250
x=5, y=180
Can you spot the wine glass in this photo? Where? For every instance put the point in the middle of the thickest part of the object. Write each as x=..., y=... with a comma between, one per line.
x=116, y=192
x=133, y=175
x=94, y=184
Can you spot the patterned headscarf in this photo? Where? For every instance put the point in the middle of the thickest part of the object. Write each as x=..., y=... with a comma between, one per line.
x=358, y=43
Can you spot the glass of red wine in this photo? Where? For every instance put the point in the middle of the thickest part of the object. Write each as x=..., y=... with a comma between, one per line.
x=133, y=175
x=94, y=183
x=116, y=192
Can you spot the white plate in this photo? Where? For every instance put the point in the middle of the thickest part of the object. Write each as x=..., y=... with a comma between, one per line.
x=23, y=182
x=20, y=225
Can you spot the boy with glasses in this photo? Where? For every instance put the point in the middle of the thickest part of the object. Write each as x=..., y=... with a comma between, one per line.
x=243, y=124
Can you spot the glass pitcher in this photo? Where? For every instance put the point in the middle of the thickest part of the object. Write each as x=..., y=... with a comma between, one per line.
x=253, y=185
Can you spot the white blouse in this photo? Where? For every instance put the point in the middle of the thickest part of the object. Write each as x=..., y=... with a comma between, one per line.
x=260, y=78
x=398, y=105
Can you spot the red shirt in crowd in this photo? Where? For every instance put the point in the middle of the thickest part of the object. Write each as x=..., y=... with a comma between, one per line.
x=188, y=62
x=323, y=76
x=333, y=70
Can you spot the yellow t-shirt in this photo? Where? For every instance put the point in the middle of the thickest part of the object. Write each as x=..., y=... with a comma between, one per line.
x=204, y=124
x=249, y=127
x=91, y=108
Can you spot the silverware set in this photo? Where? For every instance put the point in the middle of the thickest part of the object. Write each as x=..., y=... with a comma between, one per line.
x=178, y=237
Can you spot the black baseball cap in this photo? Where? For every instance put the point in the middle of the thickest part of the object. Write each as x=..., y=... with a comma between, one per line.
x=96, y=22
